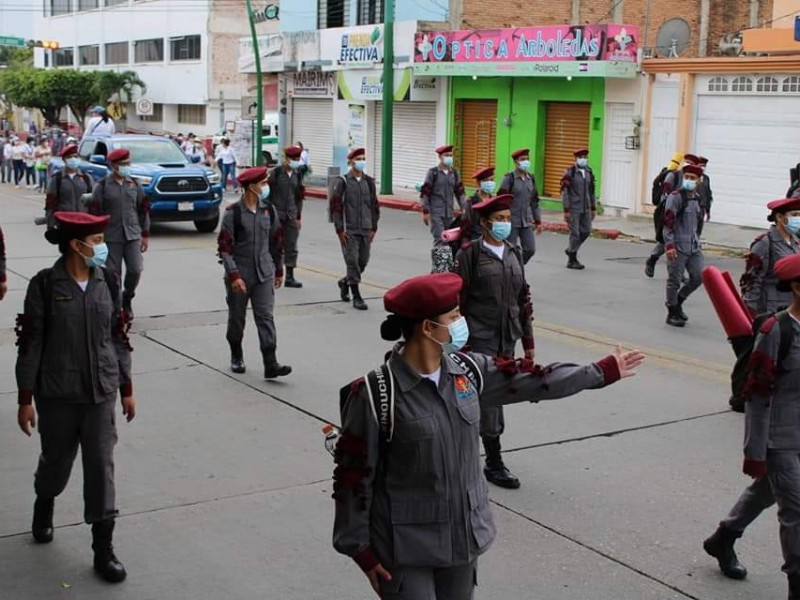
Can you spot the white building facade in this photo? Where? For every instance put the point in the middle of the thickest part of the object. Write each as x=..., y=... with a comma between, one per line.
x=186, y=53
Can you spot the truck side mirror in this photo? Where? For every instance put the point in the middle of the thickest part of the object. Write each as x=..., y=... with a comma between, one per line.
x=97, y=159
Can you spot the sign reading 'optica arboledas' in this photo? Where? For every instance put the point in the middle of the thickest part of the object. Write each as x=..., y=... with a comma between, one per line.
x=559, y=50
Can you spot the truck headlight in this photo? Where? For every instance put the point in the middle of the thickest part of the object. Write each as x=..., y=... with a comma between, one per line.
x=214, y=178
x=143, y=179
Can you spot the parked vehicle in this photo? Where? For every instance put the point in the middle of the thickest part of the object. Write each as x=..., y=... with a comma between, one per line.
x=178, y=189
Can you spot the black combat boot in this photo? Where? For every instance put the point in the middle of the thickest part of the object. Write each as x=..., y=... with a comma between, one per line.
x=673, y=318
x=679, y=310
x=358, y=301
x=127, y=305
x=736, y=403
x=720, y=546
x=272, y=368
x=237, y=359
x=106, y=563
x=573, y=262
x=794, y=587
x=650, y=266
x=42, y=528
x=344, y=289
x=495, y=471
x=291, y=282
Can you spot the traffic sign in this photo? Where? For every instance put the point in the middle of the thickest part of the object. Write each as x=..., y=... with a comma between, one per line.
x=7, y=40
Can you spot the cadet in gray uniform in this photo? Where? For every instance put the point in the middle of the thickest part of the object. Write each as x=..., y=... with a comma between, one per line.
x=65, y=188
x=761, y=294
x=412, y=506
x=471, y=228
x=442, y=185
x=578, y=199
x=287, y=195
x=706, y=194
x=671, y=182
x=355, y=213
x=682, y=243
x=525, y=212
x=74, y=357
x=3, y=278
x=251, y=250
x=772, y=417
x=128, y=233
x=497, y=304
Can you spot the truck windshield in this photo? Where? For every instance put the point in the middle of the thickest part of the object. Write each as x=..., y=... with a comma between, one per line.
x=152, y=151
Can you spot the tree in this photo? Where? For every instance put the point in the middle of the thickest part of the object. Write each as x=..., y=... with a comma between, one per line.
x=121, y=84
x=34, y=88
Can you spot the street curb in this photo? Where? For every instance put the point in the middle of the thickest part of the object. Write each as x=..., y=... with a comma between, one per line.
x=409, y=205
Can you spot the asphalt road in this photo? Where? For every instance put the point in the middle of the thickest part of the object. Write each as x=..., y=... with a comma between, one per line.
x=224, y=486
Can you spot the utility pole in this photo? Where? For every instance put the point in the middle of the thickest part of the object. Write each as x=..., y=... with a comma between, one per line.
x=259, y=89
x=387, y=127
x=222, y=110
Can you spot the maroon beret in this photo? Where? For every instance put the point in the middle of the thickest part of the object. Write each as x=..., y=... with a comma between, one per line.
x=581, y=152
x=425, y=296
x=693, y=170
x=355, y=152
x=493, y=205
x=118, y=155
x=252, y=175
x=69, y=150
x=517, y=154
x=292, y=152
x=482, y=174
x=702, y=160
x=75, y=226
x=788, y=268
x=692, y=159
x=784, y=205
x=443, y=149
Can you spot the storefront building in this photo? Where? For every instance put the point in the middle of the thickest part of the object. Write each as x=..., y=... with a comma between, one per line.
x=553, y=89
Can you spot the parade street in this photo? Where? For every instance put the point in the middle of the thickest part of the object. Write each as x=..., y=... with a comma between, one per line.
x=224, y=486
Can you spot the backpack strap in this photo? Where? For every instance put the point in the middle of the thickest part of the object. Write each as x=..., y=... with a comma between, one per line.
x=381, y=392
x=470, y=368
x=784, y=321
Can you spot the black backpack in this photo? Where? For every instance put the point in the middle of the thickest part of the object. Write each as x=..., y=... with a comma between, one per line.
x=658, y=217
x=657, y=191
x=743, y=347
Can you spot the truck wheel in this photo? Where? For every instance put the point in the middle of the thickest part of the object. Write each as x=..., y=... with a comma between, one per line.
x=207, y=226
x=267, y=158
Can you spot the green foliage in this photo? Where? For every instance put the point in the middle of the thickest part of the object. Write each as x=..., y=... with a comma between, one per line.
x=50, y=90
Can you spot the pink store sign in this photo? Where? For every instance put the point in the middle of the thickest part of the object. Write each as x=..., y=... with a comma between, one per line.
x=519, y=49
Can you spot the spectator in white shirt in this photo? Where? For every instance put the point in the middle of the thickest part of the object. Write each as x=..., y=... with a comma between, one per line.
x=188, y=145
x=18, y=160
x=7, y=167
x=30, y=164
x=197, y=150
x=100, y=123
x=226, y=158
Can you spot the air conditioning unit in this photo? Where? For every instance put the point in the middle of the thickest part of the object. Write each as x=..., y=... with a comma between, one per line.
x=730, y=44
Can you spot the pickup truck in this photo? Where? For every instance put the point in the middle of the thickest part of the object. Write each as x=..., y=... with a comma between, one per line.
x=178, y=189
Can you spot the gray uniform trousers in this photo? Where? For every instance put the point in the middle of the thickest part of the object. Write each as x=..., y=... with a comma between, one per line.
x=426, y=583
x=693, y=264
x=131, y=253
x=493, y=422
x=754, y=500
x=356, y=255
x=62, y=428
x=290, y=236
x=527, y=241
x=261, y=296
x=437, y=228
x=580, y=228
x=783, y=471
x=658, y=251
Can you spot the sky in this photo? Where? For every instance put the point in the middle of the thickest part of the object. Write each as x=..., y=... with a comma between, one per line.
x=16, y=17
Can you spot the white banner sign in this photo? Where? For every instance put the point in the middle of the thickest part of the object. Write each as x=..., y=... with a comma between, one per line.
x=270, y=48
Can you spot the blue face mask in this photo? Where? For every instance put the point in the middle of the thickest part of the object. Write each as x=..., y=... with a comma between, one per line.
x=294, y=164
x=73, y=163
x=689, y=185
x=524, y=165
x=447, y=161
x=125, y=171
x=582, y=162
x=501, y=230
x=488, y=186
x=98, y=259
x=360, y=165
x=263, y=194
x=793, y=224
x=459, y=334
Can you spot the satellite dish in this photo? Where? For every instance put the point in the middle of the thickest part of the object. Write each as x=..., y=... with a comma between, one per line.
x=673, y=38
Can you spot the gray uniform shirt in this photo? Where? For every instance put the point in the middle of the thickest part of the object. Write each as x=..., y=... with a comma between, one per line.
x=354, y=204
x=772, y=412
x=127, y=205
x=759, y=283
x=253, y=251
x=66, y=196
x=525, y=209
x=682, y=213
x=495, y=299
x=2, y=256
x=287, y=192
x=425, y=502
x=439, y=190
x=73, y=345
x=577, y=190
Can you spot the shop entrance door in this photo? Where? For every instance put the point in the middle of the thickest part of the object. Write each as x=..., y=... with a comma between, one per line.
x=567, y=130
x=476, y=135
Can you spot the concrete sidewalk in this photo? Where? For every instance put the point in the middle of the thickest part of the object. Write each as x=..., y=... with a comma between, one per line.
x=726, y=238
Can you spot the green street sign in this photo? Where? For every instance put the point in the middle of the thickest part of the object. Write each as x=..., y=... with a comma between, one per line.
x=6, y=40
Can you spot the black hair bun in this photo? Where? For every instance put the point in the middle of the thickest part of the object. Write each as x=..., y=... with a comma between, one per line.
x=392, y=328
